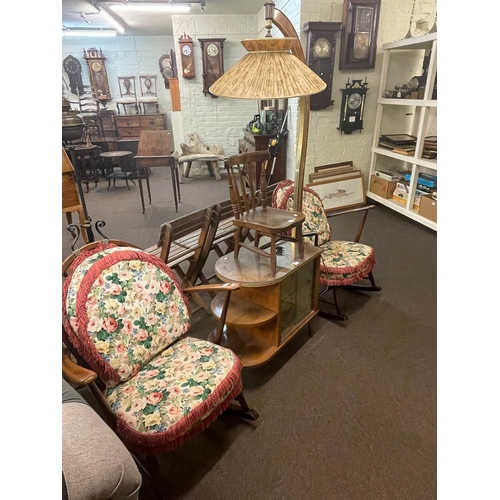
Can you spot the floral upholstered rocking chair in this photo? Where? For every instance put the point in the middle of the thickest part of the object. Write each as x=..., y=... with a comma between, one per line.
x=125, y=317
x=343, y=263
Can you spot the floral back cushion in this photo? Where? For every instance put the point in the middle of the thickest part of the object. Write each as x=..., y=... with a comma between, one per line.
x=315, y=221
x=122, y=306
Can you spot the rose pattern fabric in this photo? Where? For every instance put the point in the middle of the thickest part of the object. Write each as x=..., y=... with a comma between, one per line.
x=342, y=262
x=345, y=262
x=134, y=311
x=172, y=385
x=162, y=386
x=315, y=220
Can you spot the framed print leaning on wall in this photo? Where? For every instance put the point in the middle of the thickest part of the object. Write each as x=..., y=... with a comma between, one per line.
x=340, y=194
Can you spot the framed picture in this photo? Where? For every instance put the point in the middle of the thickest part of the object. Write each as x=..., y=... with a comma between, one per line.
x=358, y=43
x=333, y=165
x=341, y=193
x=328, y=175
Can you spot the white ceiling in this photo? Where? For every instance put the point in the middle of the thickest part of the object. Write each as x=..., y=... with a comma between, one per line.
x=155, y=23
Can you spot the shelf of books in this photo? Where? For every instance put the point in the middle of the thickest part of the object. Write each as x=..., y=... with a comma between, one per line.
x=403, y=167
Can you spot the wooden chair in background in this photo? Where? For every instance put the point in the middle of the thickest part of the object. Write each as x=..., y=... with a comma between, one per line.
x=251, y=213
x=155, y=150
x=128, y=95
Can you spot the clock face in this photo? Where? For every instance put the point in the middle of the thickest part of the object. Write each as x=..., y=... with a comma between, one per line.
x=354, y=101
x=322, y=47
x=212, y=50
x=96, y=66
x=165, y=63
x=72, y=66
x=186, y=50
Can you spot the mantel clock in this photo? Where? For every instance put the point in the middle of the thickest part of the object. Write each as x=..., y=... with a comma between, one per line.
x=187, y=58
x=98, y=75
x=212, y=53
x=353, y=106
x=320, y=58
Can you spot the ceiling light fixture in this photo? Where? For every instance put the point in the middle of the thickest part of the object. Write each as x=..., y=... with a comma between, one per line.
x=150, y=7
x=88, y=32
x=111, y=20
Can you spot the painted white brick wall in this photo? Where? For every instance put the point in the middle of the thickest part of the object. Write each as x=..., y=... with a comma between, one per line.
x=126, y=56
x=221, y=120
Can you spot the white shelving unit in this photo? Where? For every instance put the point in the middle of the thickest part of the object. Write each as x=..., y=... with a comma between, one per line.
x=398, y=122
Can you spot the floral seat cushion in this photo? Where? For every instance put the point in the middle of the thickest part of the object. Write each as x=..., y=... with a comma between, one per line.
x=125, y=314
x=176, y=394
x=345, y=262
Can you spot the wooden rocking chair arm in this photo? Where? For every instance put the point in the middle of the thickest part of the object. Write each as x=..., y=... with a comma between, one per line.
x=354, y=210
x=350, y=210
x=213, y=287
x=315, y=234
x=76, y=374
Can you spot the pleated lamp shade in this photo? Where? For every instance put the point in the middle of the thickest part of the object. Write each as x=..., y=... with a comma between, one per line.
x=268, y=71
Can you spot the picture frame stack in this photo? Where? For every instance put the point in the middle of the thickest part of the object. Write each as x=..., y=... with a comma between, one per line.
x=339, y=185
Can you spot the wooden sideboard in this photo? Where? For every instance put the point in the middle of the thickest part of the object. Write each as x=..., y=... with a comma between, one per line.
x=128, y=126
x=267, y=311
x=258, y=142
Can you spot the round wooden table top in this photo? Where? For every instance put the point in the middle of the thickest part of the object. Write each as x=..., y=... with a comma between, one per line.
x=115, y=154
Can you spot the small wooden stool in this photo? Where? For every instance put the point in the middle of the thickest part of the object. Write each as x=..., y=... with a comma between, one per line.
x=211, y=161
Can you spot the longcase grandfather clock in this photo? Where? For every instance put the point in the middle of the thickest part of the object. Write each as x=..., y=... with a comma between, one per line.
x=98, y=75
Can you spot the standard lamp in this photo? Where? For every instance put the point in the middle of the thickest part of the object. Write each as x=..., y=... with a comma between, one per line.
x=275, y=68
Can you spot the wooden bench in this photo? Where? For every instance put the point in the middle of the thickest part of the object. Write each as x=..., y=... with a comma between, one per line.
x=185, y=243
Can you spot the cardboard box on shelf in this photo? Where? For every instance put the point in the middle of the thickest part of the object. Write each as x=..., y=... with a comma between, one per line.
x=428, y=207
x=382, y=187
x=416, y=200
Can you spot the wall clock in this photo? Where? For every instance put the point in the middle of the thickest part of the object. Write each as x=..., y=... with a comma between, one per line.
x=168, y=68
x=73, y=69
x=320, y=58
x=187, y=59
x=358, y=47
x=353, y=106
x=212, y=53
x=98, y=75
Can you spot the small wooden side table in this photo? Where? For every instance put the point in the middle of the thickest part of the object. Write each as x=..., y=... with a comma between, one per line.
x=267, y=311
x=122, y=156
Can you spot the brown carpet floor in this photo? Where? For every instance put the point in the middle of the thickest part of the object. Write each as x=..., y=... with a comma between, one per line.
x=349, y=413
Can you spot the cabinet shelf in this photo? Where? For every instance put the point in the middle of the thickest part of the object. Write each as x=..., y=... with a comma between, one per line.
x=423, y=162
x=407, y=102
x=398, y=207
x=418, y=122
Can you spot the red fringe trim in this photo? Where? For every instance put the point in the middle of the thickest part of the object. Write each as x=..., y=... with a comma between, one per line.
x=360, y=273
x=72, y=336
x=282, y=185
x=190, y=425
x=81, y=341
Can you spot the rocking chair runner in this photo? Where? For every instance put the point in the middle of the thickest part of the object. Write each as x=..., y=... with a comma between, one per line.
x=125, y=317
x=343, y=263
x=251, y=211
